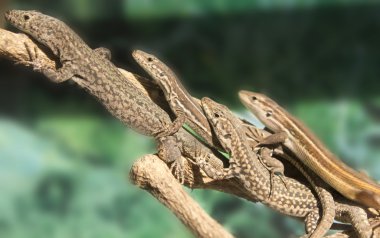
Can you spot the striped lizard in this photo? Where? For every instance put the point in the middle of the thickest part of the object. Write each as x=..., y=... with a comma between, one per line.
x=302, y=142
x=185, y=107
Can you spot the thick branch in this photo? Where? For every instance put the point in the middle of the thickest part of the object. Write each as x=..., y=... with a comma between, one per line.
x=151, y=174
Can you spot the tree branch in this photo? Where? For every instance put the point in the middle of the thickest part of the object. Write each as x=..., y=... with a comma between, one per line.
x=152, y=174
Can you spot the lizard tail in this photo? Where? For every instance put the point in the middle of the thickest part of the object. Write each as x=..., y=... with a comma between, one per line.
x=328, y=213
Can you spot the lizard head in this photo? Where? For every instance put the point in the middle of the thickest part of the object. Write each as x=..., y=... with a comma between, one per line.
x=31, y=22
x=154, y=67
x=264, y=108
x=221, y=120
x=41, y=27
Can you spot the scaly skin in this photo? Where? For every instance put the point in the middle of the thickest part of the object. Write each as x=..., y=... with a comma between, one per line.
x=186, y=108
x=91, y=70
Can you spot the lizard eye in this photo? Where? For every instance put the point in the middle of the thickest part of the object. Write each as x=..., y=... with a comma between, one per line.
x=268, y=113
x=26, y=17
x=150, y=59
x=254, y=98
x=216, y=115
x=162, y=75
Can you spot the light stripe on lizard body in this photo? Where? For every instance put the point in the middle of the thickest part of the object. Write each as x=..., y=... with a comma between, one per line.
x=181, y=102
x=305, y=145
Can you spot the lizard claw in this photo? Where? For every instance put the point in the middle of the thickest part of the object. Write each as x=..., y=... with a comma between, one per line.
x=177, y=169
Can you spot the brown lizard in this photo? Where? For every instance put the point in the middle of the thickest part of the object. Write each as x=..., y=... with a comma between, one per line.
x=186, y=108
x=302, y=142
x=91, y=70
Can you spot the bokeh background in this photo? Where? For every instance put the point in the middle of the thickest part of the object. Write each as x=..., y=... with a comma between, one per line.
x=64, y=160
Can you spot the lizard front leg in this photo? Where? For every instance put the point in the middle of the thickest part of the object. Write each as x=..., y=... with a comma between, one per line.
x=211, y=170
x=62, y=74
x=277, y=138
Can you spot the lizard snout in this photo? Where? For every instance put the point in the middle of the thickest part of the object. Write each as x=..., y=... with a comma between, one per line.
x=7, y=14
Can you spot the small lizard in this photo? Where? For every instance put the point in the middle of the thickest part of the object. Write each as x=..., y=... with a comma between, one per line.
x=91, y=70
x=181, y=102
x=298, y=139
x=245, y=166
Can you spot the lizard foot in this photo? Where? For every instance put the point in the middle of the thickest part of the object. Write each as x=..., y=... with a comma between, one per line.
x=177, y=169
x=34, y=59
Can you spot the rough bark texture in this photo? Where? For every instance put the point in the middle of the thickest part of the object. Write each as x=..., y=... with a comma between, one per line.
x=153, y=175
x=149, y=172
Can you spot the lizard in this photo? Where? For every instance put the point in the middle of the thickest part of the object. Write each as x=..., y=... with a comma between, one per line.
x=92, y=70
x=184, y=106
x=304, y=144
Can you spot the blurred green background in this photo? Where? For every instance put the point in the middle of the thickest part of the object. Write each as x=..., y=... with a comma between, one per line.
x=64, y=160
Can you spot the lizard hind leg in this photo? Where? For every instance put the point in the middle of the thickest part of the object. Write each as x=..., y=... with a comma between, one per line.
x=217, y=173
x=273, y=165
x=169, y=152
